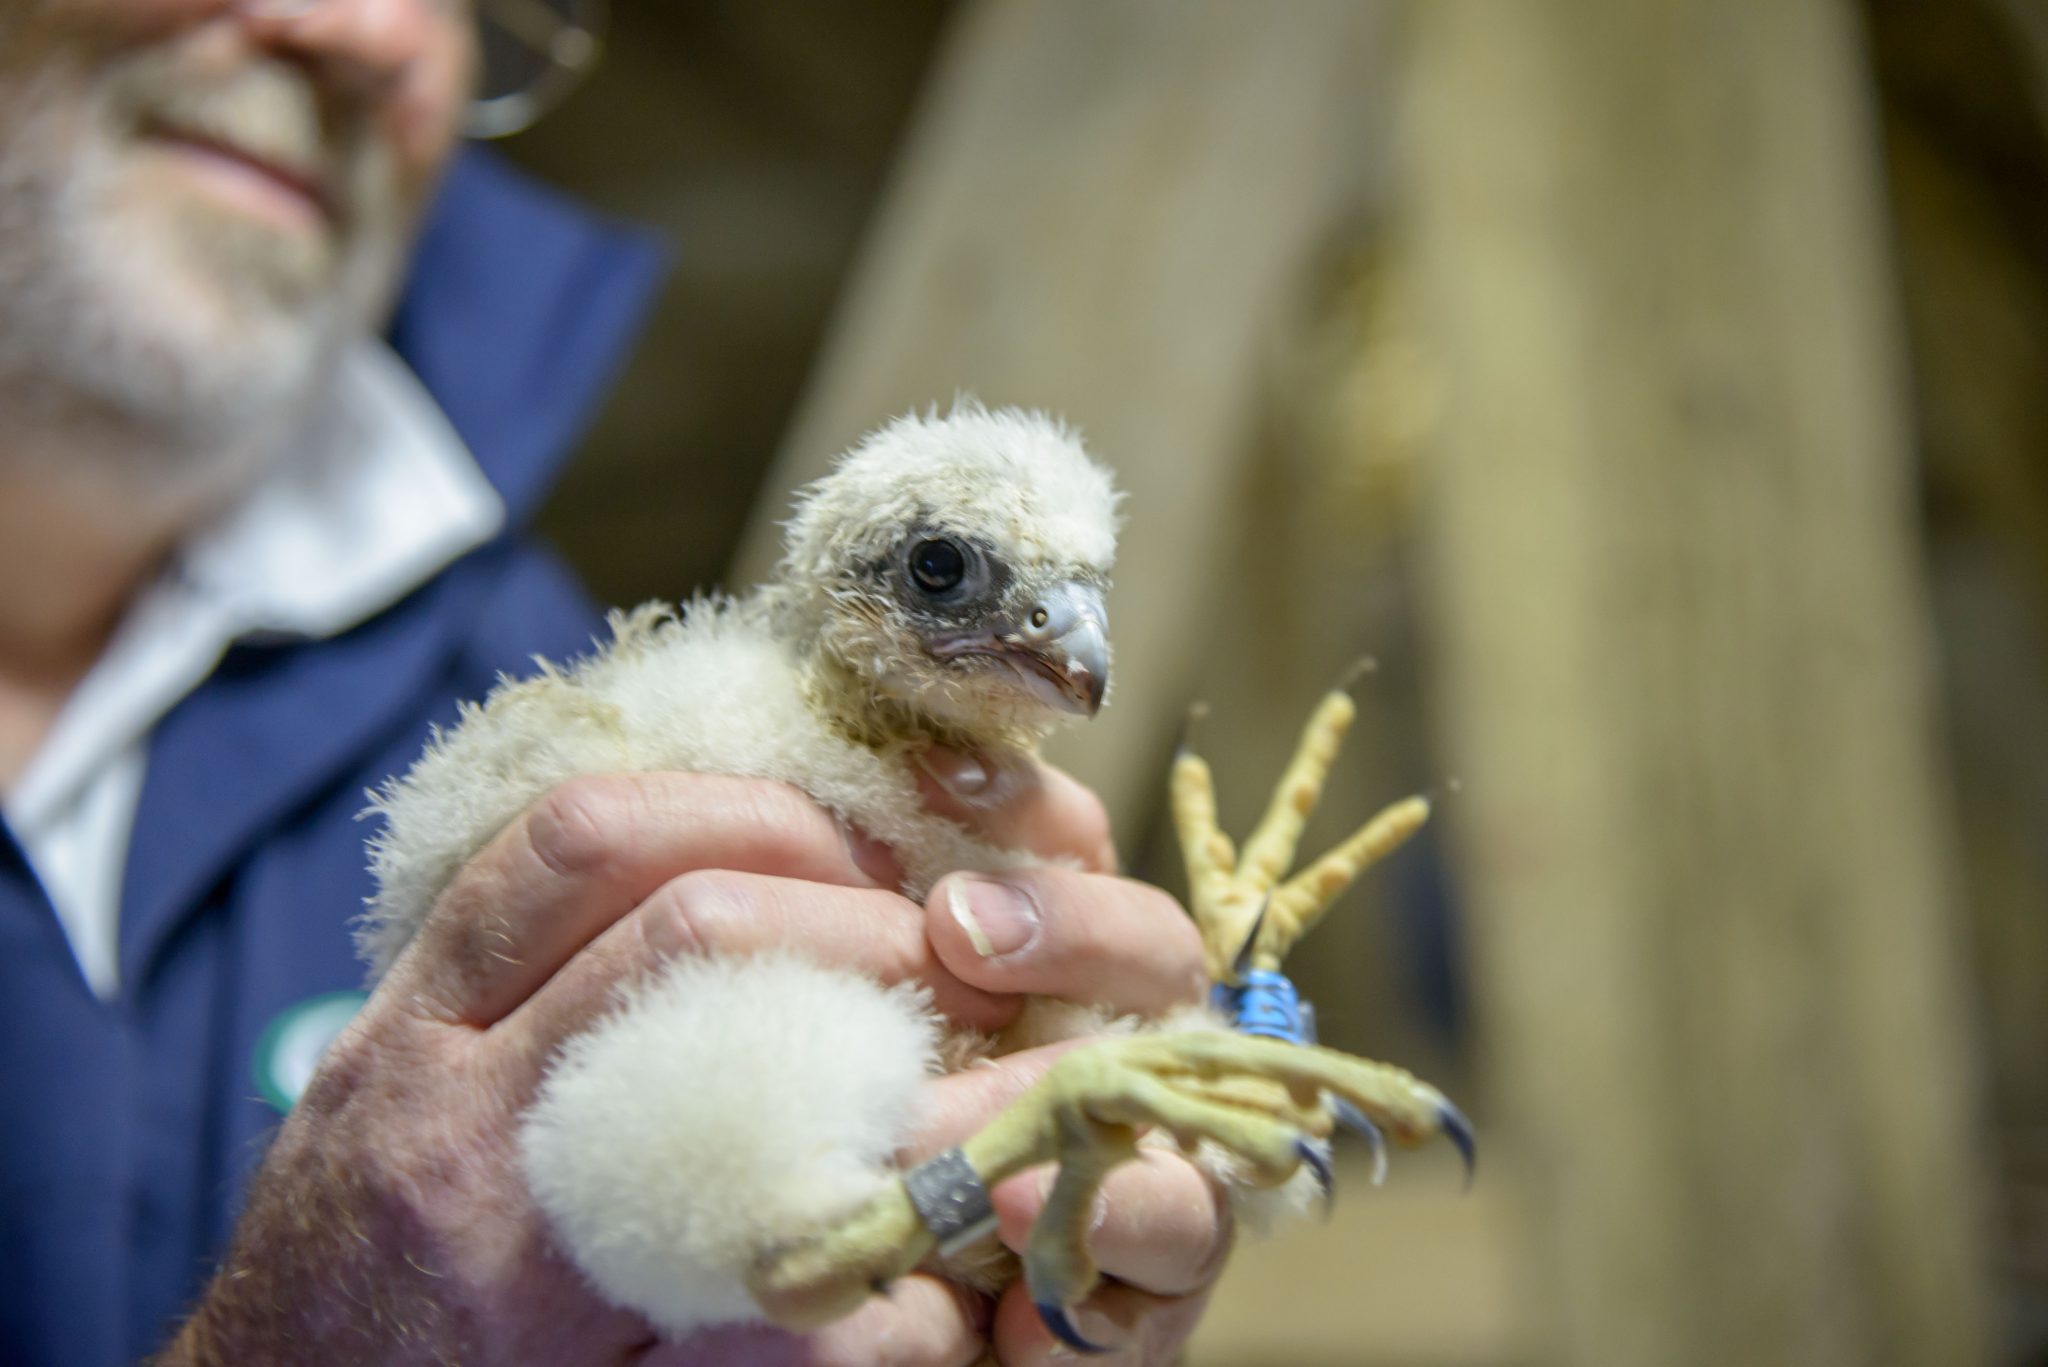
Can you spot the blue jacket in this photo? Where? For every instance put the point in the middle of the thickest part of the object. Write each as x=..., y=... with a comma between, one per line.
x=130, y=1127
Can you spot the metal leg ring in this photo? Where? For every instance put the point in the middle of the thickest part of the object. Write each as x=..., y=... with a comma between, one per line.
x=949, y=1197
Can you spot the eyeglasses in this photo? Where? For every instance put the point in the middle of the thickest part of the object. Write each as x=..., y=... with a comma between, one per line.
x=532, y=53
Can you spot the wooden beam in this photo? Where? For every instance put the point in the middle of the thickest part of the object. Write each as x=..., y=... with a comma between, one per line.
x=1685, y=672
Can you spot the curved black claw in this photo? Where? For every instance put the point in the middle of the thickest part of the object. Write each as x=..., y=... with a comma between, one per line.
x=1243, y=960
x=1459, y=1131
x=1062, y=1326
x=1316, y=1160
x=1356, y=1122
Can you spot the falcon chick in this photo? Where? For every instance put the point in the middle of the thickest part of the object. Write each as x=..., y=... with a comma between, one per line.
x=721, y=1148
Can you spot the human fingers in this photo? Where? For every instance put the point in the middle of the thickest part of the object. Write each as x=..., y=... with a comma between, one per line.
x=1137, y=1328
x=1060, y=933
x=954, y=1107
x=869, y=931
x=1031, y=806
x=1160, y=1224
x=920, y=1322
x=583, y=856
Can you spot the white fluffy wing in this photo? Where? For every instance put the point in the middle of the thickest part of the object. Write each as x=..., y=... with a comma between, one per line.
x=730, y=1106
x=712, y=692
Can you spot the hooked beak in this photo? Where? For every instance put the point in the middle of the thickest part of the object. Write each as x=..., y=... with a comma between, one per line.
x=1059, y=642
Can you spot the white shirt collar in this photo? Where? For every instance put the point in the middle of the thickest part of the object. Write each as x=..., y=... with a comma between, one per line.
x=386, y=495
x=324, y=543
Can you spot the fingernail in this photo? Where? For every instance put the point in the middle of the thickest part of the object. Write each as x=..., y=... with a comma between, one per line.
x=957, y=771
x=998, y=918
x=871, y=856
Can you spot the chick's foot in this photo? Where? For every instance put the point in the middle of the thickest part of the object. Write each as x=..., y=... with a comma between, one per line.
x=1263, y=1102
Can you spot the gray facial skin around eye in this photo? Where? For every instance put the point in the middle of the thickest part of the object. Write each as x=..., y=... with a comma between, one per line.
x=934, y=612
x=972, y=610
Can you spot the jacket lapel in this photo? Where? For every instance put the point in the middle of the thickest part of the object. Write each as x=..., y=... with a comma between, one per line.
x=519, y=310
x=274, y=727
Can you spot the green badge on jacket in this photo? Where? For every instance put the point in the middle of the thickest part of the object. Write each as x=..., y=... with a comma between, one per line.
x=293, y=1042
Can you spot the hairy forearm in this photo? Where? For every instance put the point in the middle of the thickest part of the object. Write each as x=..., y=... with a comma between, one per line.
x=336, y=1257
x=308, y=1281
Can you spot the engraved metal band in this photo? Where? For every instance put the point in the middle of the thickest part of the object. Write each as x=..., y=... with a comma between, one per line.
x=949, y=1197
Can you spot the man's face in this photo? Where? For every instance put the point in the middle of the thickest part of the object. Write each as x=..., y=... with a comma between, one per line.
x=199, y=202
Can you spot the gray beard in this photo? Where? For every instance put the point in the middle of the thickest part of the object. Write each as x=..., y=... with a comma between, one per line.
x=105, y=348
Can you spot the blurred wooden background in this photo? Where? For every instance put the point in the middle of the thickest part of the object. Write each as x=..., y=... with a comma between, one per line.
x=1655, y=391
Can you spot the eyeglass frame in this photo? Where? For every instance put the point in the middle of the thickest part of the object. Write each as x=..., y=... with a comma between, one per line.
x=570, y=44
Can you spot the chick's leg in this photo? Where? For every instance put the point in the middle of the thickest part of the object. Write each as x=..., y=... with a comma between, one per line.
x=1247, y=916
x=1259, y=1099
x=1267, y=1102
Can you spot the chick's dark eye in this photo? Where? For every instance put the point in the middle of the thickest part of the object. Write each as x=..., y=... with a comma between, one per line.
x=937, y=565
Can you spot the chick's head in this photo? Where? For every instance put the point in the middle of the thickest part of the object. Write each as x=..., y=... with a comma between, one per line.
x=952, y=569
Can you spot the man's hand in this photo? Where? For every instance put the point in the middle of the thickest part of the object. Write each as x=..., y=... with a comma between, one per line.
x=1163, y=1230
x=390, y=1221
